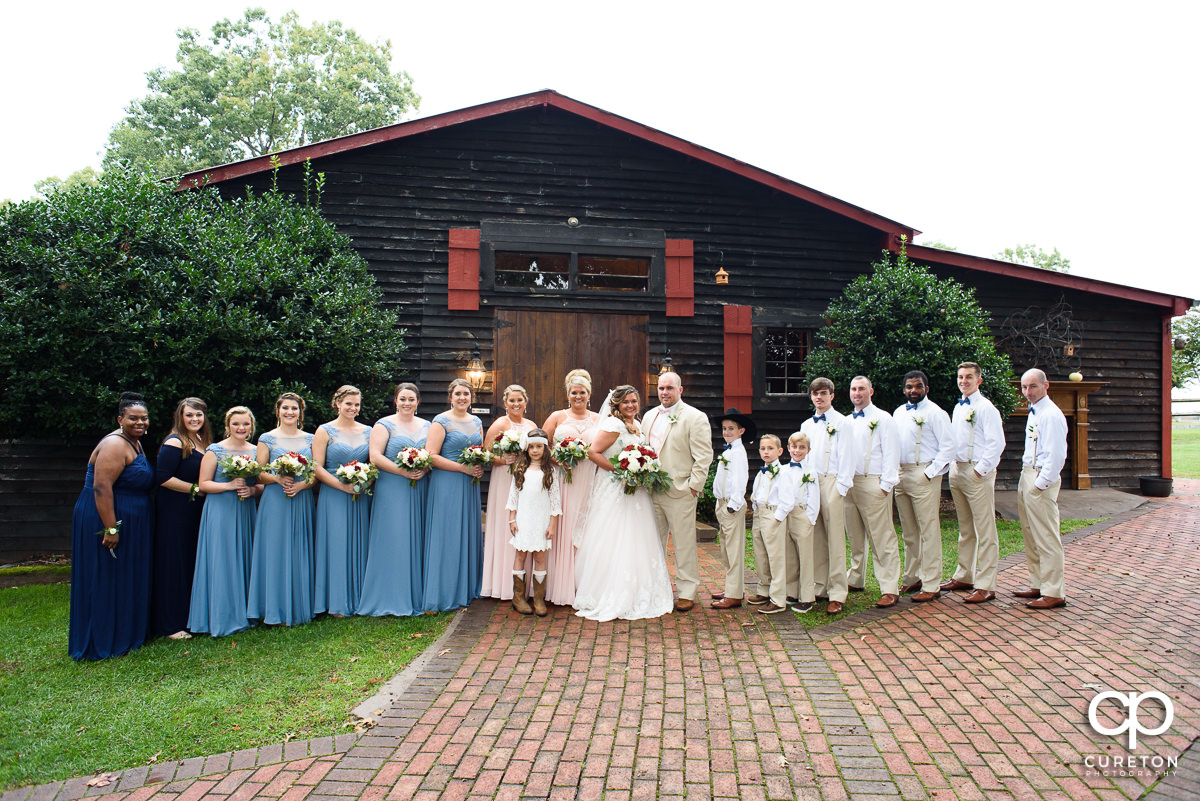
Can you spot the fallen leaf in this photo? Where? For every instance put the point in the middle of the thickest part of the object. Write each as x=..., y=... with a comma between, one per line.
x=418, y=635
x=443, y=652
x=154, y=758
x=237, y=727
x=355, y=658
x=102, y=780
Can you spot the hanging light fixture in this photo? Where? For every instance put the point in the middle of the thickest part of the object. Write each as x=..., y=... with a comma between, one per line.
x=476, y=373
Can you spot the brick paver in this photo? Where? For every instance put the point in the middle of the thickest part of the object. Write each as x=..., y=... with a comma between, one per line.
x=936, y=701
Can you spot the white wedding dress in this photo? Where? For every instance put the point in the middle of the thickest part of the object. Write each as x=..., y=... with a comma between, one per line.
x=620, y=569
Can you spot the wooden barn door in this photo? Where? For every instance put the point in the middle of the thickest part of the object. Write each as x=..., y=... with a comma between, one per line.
x=537, y=349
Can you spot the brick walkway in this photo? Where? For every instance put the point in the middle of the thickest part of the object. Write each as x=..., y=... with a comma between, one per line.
x=936, y=701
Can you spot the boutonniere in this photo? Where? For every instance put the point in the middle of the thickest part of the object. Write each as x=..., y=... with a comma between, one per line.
x=830, y=429
x=971, y=417
x=673, y=418
x=807, y=478
x=1033, y=433
x=919, y=420
x=773, y=470
x=874, y=424
x=723, y=459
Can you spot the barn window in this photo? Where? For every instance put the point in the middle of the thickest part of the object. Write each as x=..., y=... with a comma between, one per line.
x=541, y=271
x=784, y=352
x=533, y=270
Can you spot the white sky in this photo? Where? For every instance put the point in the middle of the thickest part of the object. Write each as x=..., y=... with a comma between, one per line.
x=1061, y=124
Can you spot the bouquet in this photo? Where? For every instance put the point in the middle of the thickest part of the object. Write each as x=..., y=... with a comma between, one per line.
x=358, y=475
x=476, y=455
x=240, y=467
x=568, y=453
x=638, y=466
x=415, y=459
x=292, y=464
x=510, y=442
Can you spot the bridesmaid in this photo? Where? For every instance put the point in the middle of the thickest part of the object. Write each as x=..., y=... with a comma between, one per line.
x=178, y=505
x=453, y=528
x=222, y=578
x=579, y=422
x=281, y=569
x=112, y=533
x=498, y=553
x=342, y=516
x=393, y=585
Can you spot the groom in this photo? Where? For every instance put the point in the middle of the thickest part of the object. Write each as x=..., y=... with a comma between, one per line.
x=682, y=436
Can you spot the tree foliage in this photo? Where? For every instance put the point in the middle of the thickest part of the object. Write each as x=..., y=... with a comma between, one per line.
x=127, y=285
x=256, y=87
x=902, y=317
x=1185, y=362
x=1034, y=256
x=87, y=175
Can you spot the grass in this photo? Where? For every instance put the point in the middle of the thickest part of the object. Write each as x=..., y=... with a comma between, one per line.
x=171, y=699
x=1010, y=542
x=1185, y=452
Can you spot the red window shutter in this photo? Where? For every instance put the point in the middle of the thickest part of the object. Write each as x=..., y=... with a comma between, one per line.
x=463, y=283
x=681, y=284
x=739, y=374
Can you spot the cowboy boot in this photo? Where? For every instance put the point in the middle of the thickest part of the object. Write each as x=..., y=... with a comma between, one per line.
x=519, y=603
x=539, y=597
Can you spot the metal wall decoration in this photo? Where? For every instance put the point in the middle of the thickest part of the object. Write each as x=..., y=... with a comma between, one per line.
x=1049, y=339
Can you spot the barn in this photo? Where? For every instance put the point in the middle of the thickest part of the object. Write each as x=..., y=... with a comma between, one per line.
x=538, y=233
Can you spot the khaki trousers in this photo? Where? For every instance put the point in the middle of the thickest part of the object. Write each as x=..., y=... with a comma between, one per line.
x=978, y=541
x=769, y=555
x=829, y=543
x=1039, y=527
x=917, y=500
x=675, y=515
x=799, y=537
x=733, y=549
x=869, y=518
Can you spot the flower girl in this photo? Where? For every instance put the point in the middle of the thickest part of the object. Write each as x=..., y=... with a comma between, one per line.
x=534, y=507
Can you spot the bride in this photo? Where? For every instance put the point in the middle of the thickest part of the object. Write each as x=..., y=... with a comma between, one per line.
x=620, y=569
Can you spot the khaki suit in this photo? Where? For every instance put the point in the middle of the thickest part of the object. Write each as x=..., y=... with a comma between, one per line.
x=686, y=454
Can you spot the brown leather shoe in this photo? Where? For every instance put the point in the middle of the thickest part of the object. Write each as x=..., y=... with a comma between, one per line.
x=684, y=605
x=886, y=600
x=857, y=589
x=758, y=600
x=906, y=589
x=834, y=608
x=1027, y=594
x=979, y=596
x=1047, y=603
x=725, y=603
x=770, y=609
x=922, y=597
x=718, y=595
x=955, y=584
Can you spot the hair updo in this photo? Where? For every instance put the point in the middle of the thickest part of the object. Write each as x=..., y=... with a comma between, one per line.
x=342, y=392
x=578, y=376
x=129, y=399
x=290, y=396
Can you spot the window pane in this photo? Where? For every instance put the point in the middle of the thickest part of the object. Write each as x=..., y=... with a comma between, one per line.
x=533, y=270
x=784, y=351
x=614, y=273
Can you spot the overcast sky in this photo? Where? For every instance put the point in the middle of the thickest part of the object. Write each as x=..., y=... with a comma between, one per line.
x=1068, y=125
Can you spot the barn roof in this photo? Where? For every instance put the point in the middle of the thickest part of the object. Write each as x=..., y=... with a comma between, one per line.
x=891, y=230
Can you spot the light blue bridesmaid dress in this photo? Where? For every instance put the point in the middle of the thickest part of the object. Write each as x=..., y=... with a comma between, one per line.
x=393, y=584
x=281, y=570
x=341, y=536
x=218, y=604
x=453, y=524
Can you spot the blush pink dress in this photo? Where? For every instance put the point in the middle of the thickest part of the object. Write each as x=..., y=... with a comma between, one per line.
x=498, y=553
x=560, y=576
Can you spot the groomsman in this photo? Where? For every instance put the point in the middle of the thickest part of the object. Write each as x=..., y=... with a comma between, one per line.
x=926, y=450
x=978, y=443
x=869, y=507
x=1037, y=494
x=832, y=457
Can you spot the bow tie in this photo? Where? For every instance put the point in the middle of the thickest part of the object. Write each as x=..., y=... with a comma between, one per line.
x=728, y=445
x=964, y=401
x=796, y=464
x=911, y=406
x=766, y=468
x=820, y=418
x=857, y=415
x=1032, y=410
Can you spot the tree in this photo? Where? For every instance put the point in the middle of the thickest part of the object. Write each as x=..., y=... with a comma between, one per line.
x=1185, y=361
x=256, y=87
x=127, y=285
x=933, y=243
x=1034, y=256
x=87, y=175
x=902, y=317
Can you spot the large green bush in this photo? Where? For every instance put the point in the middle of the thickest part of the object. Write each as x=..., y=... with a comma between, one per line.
x=130, y=285
x=902, y=317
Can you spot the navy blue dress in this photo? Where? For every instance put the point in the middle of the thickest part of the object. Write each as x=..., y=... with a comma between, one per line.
x=453, y=524
x=176, y=532
x=393, y=585
x=281, y=570
x=218, y=604
x=110, y=598
x=341, y=534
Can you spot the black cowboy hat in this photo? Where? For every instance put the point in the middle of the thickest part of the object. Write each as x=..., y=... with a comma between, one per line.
x=743, y=421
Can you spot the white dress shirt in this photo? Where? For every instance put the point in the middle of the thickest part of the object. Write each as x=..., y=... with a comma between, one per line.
x=729, y=485
x=929, y=425
x=832, y=452
x=766, y=487
x=879, y=448
x=1045, y=442
x=979, y=439
x=658, y=430
x=795, y=491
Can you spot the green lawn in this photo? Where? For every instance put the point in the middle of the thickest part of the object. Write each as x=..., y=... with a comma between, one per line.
x=1185, y=452
x=1010, y=542
x=176, y=699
